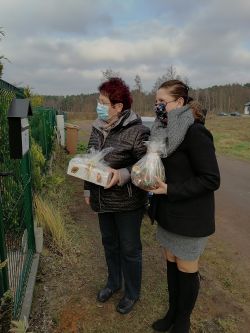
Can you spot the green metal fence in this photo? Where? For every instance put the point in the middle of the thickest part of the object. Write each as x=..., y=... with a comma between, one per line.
x=42, y=125
x=17, y=241
x=17, y=227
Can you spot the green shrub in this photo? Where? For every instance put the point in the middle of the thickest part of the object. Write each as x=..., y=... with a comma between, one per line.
x=6, y=304
x=81, y=148
x=37, y=165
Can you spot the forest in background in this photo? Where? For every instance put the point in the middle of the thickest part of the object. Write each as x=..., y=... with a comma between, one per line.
x=223, y=98
x=227, y=98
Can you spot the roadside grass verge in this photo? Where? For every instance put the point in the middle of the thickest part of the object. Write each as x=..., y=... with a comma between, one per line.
x=231, y=135
x=51, y=206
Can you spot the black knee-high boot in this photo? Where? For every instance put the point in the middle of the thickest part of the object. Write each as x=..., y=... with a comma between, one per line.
x=164, y=324
x=189, y=284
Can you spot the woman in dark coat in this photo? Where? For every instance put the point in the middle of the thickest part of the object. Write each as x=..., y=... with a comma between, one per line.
x=183, y=206
x=120, y=206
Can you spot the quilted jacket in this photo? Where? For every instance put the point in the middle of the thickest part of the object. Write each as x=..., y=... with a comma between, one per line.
x=127, y=140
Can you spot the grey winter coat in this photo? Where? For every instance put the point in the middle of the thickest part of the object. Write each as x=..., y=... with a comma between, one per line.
x=127, y=138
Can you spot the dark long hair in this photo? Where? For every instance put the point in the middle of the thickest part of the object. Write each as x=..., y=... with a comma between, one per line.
x=179, y=89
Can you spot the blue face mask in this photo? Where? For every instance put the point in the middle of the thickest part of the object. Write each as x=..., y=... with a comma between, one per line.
x=102, y=111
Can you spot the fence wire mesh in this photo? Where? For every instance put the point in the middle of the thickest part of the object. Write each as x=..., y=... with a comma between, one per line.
x=16, y=216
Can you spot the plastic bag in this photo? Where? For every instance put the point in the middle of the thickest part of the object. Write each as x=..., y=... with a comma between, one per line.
x=91, y=167
x=145, y=171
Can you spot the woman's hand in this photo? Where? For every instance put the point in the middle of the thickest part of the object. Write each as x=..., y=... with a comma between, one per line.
x=115, y=178
x=87, y=201
x=161, y=187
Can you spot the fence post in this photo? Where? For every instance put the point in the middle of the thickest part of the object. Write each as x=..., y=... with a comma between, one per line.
x=29, y=221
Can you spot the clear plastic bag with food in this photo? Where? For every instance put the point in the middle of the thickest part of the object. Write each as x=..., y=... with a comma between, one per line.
x=91, y=167
x=145, y=172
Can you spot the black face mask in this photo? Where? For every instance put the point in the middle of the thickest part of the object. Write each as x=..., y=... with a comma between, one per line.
x=161, y=113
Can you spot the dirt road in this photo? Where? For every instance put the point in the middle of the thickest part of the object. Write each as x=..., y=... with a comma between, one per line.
x=233, y=206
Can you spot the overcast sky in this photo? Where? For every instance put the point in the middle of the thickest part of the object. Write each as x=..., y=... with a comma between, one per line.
x=62, y=46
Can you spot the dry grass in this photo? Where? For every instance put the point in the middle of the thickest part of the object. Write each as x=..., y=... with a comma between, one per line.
x=50, y=219
x=20, y=326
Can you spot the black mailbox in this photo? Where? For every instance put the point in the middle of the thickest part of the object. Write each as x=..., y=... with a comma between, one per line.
x=19, y=111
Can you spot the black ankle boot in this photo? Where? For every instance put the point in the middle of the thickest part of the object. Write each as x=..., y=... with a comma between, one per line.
x=189, y=284
x=164, y=324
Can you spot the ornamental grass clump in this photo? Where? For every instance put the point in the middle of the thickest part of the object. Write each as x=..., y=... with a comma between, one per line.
x=50, y=219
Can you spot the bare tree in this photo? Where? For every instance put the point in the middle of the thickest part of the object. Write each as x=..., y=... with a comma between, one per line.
x=171, y=74
x=138, y=96
x=108, y=73
x=2, y=34
x=138, y=83
x=1, y=68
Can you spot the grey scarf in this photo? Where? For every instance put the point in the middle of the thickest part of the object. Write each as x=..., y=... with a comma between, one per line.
x=179, y=120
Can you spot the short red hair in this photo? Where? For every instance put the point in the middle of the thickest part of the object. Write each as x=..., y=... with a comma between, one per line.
x=117, y=91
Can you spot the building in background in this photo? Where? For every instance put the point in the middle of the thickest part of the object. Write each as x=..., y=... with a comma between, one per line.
x=247, y=108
